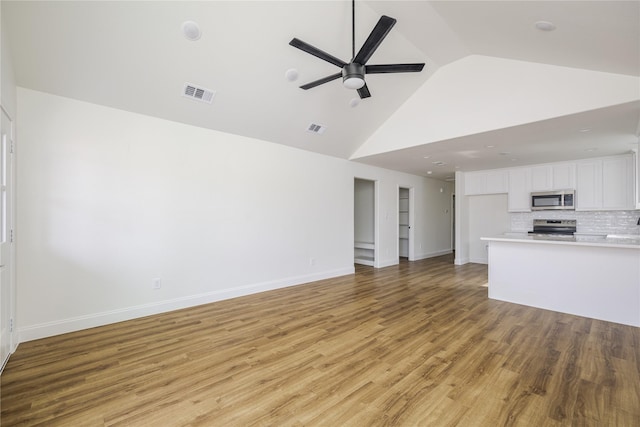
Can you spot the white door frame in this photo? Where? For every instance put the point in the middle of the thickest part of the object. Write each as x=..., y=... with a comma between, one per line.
x=411, y=235
x=10, y=264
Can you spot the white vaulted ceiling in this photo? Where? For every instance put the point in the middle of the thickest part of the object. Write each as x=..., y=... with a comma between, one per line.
x=491, y=78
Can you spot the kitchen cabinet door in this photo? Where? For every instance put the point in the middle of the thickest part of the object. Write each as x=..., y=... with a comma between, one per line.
x=485, y=182
x=605, y=183
x=617, y=183
x=541, y=178
x=519, y=190
x=497, y=182
x=474, y=183
x=563, y=176
x=589, y=185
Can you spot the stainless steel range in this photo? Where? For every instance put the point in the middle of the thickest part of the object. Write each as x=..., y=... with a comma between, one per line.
x=554, y=228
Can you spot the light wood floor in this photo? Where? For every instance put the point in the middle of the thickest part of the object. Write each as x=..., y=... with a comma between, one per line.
x=414, y=345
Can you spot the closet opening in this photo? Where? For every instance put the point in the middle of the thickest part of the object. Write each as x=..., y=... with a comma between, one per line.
x=364, y=251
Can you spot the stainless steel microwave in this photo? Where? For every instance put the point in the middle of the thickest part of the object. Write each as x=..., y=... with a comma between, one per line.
x=553, y=200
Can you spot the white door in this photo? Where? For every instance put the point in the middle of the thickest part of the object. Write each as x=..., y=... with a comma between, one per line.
x=6, y=218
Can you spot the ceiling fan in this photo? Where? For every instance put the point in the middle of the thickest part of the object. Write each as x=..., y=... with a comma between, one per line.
x=353, y=72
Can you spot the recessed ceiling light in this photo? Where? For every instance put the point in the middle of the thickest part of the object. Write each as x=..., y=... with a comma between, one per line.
x=504, y=153
x=354, y=102
x=191, y=30
x=429, y=172
x=426, y=157
x=291, y=74
x=545, y=26
x=590, y=150
x=490, y=146
x=585, y=130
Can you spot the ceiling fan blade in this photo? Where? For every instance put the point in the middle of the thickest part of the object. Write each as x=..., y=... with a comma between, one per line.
x=393, y=68
x=364, y=92
x=321, y=81
x=379, y=32
x=317, y=52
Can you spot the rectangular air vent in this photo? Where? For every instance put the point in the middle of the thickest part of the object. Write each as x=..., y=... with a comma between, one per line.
x=315, y=128
x=198, y=93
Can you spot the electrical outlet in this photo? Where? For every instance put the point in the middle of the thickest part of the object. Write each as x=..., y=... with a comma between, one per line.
x=156, y=283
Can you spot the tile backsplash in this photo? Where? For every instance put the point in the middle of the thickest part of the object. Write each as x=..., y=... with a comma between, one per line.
x=600, y=222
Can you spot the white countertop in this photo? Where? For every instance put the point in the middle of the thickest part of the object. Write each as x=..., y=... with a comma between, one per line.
x=611, y=241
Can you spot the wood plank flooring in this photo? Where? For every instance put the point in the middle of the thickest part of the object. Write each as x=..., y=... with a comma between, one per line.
x=418, y=344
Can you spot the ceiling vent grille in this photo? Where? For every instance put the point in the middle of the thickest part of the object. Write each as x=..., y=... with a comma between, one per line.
x=198, y=93
x=315, y=128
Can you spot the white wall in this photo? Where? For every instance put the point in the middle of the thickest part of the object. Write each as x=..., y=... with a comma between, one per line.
x=483, y=93
x=7, y=78
x=432, y=206
x=431, y=227
x=110, y=200
x=488, y=216
x=462, y=222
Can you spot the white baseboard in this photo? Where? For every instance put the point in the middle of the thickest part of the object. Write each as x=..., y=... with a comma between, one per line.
x=479, y=260
x=432, y=254
x=461, y=261
x=63, y=326
x=387, y=263
x=390, y=262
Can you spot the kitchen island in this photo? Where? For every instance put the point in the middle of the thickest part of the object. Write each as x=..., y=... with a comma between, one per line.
x=595, y=277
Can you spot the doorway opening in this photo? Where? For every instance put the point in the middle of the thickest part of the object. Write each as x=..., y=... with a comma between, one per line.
x=364, y=252
x=404, y=224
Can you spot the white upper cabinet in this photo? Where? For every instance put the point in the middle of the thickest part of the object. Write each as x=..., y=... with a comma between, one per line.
x=486, y=182
x=541, y=178
x=519, y=190
x=563, y=176
x=605, y=184
x=589, y=185
x=560, y=176
x=523, y=181
x=617, y=183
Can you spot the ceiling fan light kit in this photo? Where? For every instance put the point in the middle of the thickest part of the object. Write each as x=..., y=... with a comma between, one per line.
x=353, y=72
x=353, y=76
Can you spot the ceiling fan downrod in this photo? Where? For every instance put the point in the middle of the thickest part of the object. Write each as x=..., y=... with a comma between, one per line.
x=353, y=72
